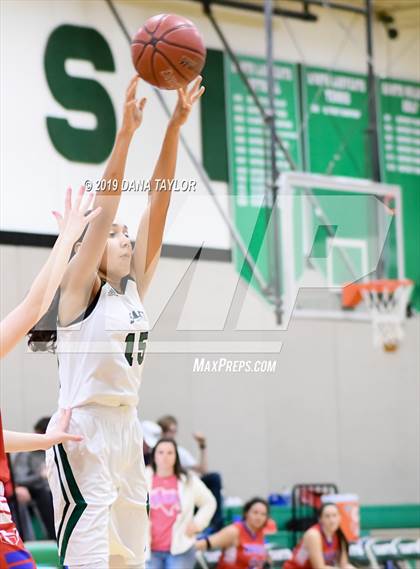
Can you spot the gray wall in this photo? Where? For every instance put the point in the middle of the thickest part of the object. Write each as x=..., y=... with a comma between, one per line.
x=334, y=410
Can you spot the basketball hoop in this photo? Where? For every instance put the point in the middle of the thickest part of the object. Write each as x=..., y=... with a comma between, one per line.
x=387, y=302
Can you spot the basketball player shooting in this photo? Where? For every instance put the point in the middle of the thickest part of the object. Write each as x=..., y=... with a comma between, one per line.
x=98, y=485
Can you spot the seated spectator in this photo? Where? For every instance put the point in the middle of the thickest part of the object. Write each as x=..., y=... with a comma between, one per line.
x=30, y=478
x=324, y=545
x=151, y=434
x=174, y=494
x=242, y=543
x=212, y=480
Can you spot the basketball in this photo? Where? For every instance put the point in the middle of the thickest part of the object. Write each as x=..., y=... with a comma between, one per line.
x=168, y=51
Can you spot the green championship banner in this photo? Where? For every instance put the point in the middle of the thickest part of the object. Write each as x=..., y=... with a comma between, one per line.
x=399, y=140
x=248, y=142
x=249, y=146
x=330, y=109
x=335, y=122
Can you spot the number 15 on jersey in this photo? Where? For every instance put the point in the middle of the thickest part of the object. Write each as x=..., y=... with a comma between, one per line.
x=130, y=345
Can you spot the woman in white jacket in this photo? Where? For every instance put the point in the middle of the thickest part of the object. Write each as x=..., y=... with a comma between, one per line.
x=174, y=494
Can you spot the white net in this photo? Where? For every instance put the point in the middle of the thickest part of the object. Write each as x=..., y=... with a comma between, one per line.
x=388, y=309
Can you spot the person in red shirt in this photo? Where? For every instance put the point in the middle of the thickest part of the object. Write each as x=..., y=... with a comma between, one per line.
x=12, y=329
x=324, y=545
x=243, y=542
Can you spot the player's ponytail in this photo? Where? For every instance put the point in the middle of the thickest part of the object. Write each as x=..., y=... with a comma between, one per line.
x=43, y=336
x=342, y=540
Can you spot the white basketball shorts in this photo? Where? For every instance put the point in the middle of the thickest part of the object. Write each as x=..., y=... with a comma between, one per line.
x=99, y=488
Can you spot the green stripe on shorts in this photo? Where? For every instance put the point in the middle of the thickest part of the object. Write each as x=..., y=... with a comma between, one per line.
x=63, y=491
x=80, y=504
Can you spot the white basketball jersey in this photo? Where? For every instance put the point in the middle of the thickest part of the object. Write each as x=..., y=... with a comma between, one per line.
x=101, y=357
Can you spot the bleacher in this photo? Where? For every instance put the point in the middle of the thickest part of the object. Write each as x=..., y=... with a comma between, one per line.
x=370, y=551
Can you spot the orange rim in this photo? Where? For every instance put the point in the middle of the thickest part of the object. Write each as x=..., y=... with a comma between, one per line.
x=352, y=293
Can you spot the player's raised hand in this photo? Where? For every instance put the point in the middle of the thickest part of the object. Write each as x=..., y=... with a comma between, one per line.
x=75, y=217
x=186, y=99
x=133, y=108
x=59, y=434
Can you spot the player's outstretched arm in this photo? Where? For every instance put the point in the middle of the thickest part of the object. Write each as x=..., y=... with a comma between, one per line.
x=82, y=271
x=223, y=539
x=150, y=233
x=27, y=442
x=18, y=322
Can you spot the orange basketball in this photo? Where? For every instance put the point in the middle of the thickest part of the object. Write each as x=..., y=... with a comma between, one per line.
x=168, y=51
